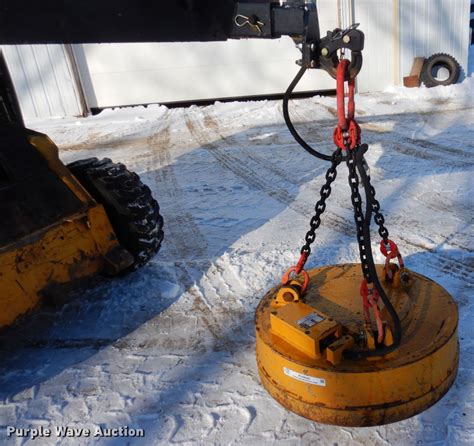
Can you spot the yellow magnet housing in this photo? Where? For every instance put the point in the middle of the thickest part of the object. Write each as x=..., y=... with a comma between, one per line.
x=301, y=345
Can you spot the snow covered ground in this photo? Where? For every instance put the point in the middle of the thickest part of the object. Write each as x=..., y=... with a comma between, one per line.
x=170, y=348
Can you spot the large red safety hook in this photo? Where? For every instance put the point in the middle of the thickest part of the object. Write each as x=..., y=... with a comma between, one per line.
x=347, y=132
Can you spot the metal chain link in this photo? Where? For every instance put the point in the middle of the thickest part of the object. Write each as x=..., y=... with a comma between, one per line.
x=378, y=217
x=358, y=214
x=320, y=206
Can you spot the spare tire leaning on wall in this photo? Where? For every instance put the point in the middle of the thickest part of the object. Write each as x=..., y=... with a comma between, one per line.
x=431, y=66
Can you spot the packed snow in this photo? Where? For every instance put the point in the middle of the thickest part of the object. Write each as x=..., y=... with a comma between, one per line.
x=170, y=348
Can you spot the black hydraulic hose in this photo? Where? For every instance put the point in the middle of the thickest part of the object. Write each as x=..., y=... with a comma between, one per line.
x=289, y=124
x=397, y=333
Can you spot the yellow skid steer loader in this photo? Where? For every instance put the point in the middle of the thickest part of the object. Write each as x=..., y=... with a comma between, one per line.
x=62, y=225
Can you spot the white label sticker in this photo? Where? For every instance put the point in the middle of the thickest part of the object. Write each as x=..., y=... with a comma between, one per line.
x=305, y=378
x=309, y=320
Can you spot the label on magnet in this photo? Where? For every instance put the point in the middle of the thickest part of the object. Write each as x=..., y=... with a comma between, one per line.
x=309, y=320
x=305, y=378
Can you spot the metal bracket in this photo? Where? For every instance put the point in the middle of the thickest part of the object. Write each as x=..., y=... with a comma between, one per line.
x=271, y=20
x=349, y=39
x=299, y=20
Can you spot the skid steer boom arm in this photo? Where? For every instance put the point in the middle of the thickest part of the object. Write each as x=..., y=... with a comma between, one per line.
x=114, y=21
x=54, y=21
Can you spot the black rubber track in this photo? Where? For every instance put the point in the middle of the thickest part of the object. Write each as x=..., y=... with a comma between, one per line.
x=440, y=60
x=132, y=211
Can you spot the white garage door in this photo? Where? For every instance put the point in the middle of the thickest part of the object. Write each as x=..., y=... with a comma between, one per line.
x=44, y=80
x=140, y=73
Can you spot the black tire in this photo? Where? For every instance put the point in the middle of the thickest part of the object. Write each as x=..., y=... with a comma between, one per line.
x=433, y=63
x=132, y=211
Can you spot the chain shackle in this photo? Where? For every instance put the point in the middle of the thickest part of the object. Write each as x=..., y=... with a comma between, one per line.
x=293, y=270
x=390, y=250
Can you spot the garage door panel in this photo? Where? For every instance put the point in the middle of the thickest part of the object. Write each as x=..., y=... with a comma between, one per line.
x=128, y=74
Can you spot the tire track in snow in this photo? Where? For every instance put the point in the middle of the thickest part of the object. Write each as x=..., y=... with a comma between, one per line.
x=186, y=240
x=251, y=173
x=425, y=150
x=460, y=268
x=184, y=234
x=266, y=161
x=419, y=148
x=212, y=125
x=454, y=267
x=343, y=224
x=188, y=245
x=178, y=223
x=239, y=166
x=311, y=129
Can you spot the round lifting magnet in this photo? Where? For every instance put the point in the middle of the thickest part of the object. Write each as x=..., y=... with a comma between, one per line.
x=303, y=346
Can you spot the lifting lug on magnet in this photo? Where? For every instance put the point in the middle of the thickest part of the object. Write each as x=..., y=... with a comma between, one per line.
x=294, y=283
x=369, y=336
x=387, y=335
x=291, y=292
x=394, y=274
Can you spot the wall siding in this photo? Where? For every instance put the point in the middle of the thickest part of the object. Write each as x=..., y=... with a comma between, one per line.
x=377, y=23
x=433, y=26
x=397, y=31
x=44, y=80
